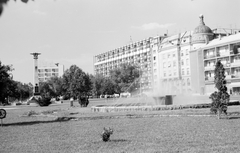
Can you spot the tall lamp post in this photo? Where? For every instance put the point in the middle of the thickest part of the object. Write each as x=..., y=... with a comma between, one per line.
x=36, y=81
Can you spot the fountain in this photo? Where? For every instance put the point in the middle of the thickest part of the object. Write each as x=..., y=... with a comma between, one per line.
x=167, y=98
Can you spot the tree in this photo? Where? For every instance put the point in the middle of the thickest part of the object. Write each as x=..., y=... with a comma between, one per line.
x=4, y=2
x=125, y=78
x=108, y=87
x=76, y=82
x=98, y=83
x=55, y=83
x=6, y=82
x=221, y=97
x=46, y=90
x=22, y=90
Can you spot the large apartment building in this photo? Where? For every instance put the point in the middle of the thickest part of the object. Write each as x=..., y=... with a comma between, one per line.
x=141, y=53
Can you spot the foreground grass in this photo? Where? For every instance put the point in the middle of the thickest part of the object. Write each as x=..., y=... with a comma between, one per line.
x=143, y=134
x=162, y=134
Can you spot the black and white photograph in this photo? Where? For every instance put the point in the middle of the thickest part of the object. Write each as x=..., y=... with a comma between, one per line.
x=119, y=76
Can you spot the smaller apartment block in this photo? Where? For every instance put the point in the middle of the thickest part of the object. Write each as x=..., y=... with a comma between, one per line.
x=46, y=72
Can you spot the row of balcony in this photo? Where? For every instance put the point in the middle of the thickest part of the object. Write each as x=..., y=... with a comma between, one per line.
x=102, y=58
x=139, y=62
x=135, y=56
x=220, y=54
x=212, y=66
x=233, y=76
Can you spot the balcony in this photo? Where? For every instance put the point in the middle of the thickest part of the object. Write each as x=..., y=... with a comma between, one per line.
x=209, y=56
x=228, y=77
x=235, y=64
x=235, y=76
x=224, y=53
x=209, y=78
x=208, y=68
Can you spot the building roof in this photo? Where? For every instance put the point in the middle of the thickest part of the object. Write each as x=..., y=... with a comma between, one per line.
x=223, y=40
x=202, y=28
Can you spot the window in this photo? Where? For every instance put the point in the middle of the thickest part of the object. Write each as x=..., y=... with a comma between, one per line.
x=169, y=64
x=164, y=65
x=187, y=71
x=174, y=63
x=164, y=74
x=182, y=53
x=187, y=61
x=169, y=56
x=187, y=52
x=174, y=73
x=182, y=71
x=183, y=82
x=173, y=55
x=169, y=73
x=164, y=56
x=188, y=81
x=154, y=58
x=182, y=62
x=154, y=64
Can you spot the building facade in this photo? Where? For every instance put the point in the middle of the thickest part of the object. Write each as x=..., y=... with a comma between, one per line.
x=186, y=61
x=46, y=72
x=180, y=64
x=141, y=53
x=227, y=50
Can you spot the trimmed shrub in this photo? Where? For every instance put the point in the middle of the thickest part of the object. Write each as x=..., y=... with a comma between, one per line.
x=83, y=101
x=220, y=98
x=44, y=101
x=106, y=134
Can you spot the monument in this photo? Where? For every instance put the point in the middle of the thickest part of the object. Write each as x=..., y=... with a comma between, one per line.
x=36, y=91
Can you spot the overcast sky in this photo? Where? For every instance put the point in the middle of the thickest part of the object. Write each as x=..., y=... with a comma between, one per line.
x=73, y=31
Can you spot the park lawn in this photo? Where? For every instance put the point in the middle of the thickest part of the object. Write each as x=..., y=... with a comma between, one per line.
x=143, y=134
x=155, y=134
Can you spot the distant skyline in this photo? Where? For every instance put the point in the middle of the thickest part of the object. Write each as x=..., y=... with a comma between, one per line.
x=71, y=32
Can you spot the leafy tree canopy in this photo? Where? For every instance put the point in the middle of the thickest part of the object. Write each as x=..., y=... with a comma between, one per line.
x=76, y=82
x=126, y=78
x=4, y=2
x=6, y=82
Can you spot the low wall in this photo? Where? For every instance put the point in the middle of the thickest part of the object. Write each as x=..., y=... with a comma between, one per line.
x=122, y=108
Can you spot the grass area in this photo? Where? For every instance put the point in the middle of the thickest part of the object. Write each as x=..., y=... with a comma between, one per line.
x=152, y=133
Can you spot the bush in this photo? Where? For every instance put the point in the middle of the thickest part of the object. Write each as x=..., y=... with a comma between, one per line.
x=44, y=101
x=83, y=101
x=106, y=134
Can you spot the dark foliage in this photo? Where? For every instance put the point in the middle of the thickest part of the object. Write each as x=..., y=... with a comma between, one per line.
x=83, y=101
x=44, y=101
x=106, y=134
x=76, y=82
x=221, y=97
x=4, y=2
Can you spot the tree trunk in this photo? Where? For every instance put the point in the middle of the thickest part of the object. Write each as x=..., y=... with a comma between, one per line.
x=219, y=114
